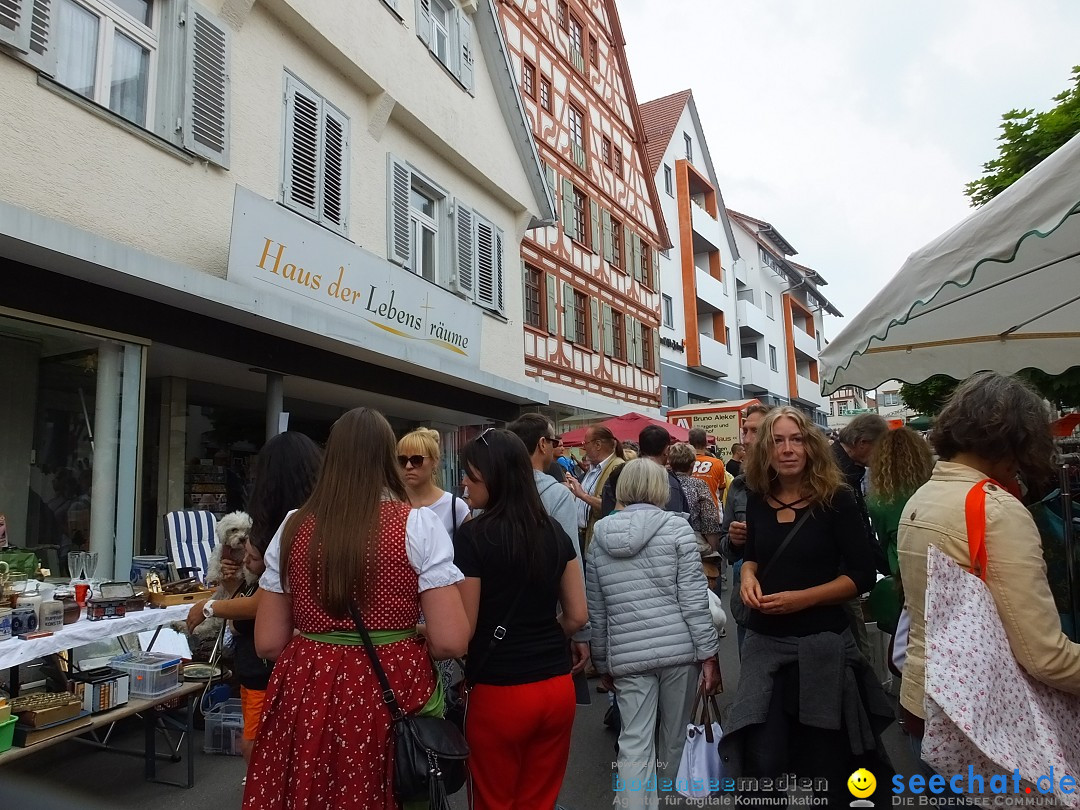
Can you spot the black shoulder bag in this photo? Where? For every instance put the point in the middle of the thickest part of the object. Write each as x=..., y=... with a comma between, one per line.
x=783, y=545
x=429, y=752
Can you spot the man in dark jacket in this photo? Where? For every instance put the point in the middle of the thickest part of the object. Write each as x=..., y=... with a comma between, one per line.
x=653, y=443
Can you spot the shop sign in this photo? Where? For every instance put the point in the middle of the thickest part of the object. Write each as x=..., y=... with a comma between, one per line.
x=724, y=425
x=271, y=246
x=676, y=345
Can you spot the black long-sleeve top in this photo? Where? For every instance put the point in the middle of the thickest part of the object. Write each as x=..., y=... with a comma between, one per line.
x=831, y=542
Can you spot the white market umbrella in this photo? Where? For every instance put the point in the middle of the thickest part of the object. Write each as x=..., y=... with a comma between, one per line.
x=999, y=291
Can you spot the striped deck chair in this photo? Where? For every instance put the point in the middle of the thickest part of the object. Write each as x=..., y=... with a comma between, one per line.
x=191, y=537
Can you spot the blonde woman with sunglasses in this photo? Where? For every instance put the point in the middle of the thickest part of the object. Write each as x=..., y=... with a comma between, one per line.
x=418, y=456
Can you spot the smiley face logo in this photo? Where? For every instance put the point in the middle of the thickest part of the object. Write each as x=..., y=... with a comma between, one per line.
x=861, y=783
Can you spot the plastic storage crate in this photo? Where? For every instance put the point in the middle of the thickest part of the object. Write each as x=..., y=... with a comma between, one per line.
x=7, y=733
x=152, y=674
x=224, y=729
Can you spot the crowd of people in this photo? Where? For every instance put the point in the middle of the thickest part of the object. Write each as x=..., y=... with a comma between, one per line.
x=548, y=569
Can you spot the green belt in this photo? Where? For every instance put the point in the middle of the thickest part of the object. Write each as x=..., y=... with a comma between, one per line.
x=436, y=704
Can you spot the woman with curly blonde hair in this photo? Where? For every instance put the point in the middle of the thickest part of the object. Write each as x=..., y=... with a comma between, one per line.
x=900, y=464
x=808, y=702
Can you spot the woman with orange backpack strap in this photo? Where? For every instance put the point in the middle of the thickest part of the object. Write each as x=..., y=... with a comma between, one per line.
x=993, y=429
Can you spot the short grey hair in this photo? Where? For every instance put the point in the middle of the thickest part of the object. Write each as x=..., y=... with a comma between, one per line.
x=865, y=426
x=698, y=437
x=681, y=457
x=642, y=481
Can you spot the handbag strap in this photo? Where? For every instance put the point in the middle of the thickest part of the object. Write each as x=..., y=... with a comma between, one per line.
x=498, y=635
x=975, y=517
x=453, y=513
x=387, y=691
x=783, y=545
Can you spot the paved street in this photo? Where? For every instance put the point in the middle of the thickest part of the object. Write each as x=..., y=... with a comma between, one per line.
x=83, y=775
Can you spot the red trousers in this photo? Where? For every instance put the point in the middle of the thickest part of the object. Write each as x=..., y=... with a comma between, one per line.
x=519, y=741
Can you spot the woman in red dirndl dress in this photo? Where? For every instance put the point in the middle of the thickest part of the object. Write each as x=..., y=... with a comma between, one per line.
x=324, y=741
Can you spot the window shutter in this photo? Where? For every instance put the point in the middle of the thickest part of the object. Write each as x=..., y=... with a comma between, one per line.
x=655, y=265
x=465, y=50
x=594, y=221
x=465, y=243
x=303, y=112
x=609, y=333
x=627, y=256
x=398, y=240
x=639, y=270
x=549, y=173
x=485, y=263
x=569, y=225
x=569, y=325
x=609, y=241
x=655, y=350
x=552, y=305
x=423, y=20
x=15, y=23
x=500, y=280
x=41, y=54
x=334, y=200
x=594, y=323
x=206, y=87
x=629, y=343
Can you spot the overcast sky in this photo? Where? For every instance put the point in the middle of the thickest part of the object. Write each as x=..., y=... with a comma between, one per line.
x=852, y=125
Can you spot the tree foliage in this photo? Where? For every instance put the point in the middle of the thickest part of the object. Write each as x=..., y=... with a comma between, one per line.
x=930, y=396
x=1027, y=137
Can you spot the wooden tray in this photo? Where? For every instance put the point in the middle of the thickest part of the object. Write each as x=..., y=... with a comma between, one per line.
x=55, y=714
x=170, y=599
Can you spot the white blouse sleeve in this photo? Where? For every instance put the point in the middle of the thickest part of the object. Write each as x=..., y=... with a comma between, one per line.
x=430, y=551
x=271, y=579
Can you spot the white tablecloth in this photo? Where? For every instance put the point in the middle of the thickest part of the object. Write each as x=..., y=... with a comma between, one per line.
x=15, y=651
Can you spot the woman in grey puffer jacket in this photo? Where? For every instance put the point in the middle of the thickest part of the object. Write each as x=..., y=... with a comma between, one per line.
x=652, y=634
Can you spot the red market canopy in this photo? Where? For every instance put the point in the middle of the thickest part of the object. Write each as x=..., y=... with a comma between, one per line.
x=626, y=428
x=1065, y=426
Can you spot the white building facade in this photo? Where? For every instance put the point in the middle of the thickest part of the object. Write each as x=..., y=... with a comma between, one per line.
x=224, y=219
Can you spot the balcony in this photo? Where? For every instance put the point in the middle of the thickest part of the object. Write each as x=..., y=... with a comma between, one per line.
x=709, y=290
x=708, y=233
x=715, y=359
x=752, y=318
x=804, y=343
x=739, y=267
x=755, y=375
x=809, y=392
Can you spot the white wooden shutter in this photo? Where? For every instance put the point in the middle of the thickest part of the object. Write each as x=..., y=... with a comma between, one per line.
x=594, y=221
x=609, y=241
x=627, y=253
x=465, y=248
x=629, y=342
x=423, y=20
x=41, y=53
x=15, y=18
x=303, y=112
x=206, y=87
x=609, y=332
x=569, y=324
x=549, y=173
x=655, y=265
x=655, y=366
x=552, y=305
x=398, y=238
x=500, y=278
x=594, y=323
x=485, y=263
x=639, y=270
x=465, y=67
x=569, y=224
x=334, y=164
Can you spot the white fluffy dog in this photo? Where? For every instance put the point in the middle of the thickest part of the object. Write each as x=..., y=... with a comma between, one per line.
x=232, y=532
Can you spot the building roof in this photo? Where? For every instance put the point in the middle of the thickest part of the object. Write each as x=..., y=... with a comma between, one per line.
x=768, y=231
x=659, y=118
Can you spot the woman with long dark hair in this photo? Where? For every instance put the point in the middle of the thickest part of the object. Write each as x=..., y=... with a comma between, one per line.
x=808, y=703
x=356, y=542
x=285, y=471
x=518, y=566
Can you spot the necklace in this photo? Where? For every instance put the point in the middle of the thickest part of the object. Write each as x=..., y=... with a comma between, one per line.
x=786, y=512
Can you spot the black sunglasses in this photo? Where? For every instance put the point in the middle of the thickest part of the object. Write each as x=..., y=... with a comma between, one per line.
x=482, y=435
x=555, y=441
x=416, y=461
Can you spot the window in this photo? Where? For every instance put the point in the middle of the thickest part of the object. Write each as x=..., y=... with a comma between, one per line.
x=646, y=262
x=528, y=78
x=669, y=311
x=727, y=338
x=545, y=93
x=666, y=253
x=645, y=348
x=605, y=151
x=689, y=147
x=465, y=256
x=564, y=14
x=533, y=284
x=832, y=408
x=618, y=327
x=446, y=30
x=769, y=305
x=749, y=351
x=581, y=217
x=618, y=162
x=581, y=318
x=671, y=397
x=316, y=170
x=772, y=358
x=594, y=52
x=669, y=181
x=616, y=243
x=890, y=399
x=577, y=134
x=577, y=44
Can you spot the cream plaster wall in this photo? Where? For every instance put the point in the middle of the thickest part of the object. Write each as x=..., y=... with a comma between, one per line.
x=68, y=164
